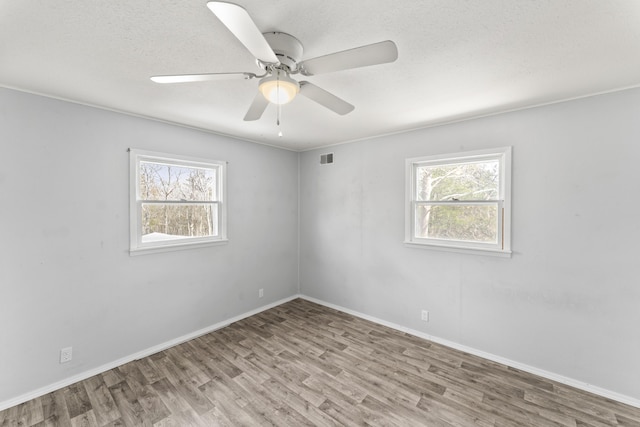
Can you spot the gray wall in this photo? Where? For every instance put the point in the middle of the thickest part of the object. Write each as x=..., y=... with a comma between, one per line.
x=66, y=277
x=568, y=301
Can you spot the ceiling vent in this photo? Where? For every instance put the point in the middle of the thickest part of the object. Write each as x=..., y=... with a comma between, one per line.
x=326, y=158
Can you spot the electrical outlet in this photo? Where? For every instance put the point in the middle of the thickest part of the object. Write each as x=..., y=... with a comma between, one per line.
x=425, y=315
x=66, y=354
x=260, y=293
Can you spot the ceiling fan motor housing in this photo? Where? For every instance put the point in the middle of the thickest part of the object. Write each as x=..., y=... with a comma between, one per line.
x=287, y=48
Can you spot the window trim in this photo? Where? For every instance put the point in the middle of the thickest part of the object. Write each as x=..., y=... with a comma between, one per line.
x=136, y=246
x=503, y=247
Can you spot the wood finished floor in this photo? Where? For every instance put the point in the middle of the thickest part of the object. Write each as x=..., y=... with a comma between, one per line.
x=304, y=364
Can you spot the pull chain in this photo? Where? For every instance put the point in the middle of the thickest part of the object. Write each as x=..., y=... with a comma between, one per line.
x=279, y=106
x=278, y=121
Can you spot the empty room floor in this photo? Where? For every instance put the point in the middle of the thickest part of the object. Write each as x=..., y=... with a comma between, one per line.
x=305, y=364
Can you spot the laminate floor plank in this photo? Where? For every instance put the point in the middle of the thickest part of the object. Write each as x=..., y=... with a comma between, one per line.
x=54, y=409
x=183, y=361
x=187, y=387
x=393, y=415
x=388, y=368
x=8, y=417
x=116, y=423
x=231, y=342
x=275, y=411
x=29, y=413
x=77, y=400
x=128, y=405
x=293, y=374
x=149, y=370
x=216, y=418
x=577, y=409
x=522, y=414
x=351, y=390
x=87, y=419
x=170, y=396
x=112, y=377
x=102, y=403
x=302, y=364
x=213, y=362
x=225, y=400
x=504, y=402
x=626, y=411
x=348, y=417
x=298, y=403
x=149, y=399
x=453, y=413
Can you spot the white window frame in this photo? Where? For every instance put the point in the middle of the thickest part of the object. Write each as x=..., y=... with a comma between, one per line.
x=137, y=246
x=503, y=245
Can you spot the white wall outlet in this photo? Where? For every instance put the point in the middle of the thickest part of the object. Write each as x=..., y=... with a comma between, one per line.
x=425, y=315
x=66, y=354
x=260, y=293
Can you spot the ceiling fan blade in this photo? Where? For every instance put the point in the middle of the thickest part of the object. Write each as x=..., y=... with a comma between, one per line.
x=188, y=78
x=257, y=107
x=325, y=98
x=371, y=54
x=238, y=21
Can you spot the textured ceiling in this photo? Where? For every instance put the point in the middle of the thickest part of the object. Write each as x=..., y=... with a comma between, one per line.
x=457, y=59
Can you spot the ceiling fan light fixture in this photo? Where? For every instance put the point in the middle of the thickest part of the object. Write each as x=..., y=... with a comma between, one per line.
x=279, y=88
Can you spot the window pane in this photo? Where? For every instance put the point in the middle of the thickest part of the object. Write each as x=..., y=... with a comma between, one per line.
x=167, y=222
x=463, y=181
x=476, y=223
x=174, y=182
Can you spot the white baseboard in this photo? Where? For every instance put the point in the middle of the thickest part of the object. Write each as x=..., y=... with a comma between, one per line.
x=139, y=355
x=160, y=347
x=521, y=366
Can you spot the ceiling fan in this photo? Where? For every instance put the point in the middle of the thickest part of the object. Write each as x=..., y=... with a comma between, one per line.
x=279, y=55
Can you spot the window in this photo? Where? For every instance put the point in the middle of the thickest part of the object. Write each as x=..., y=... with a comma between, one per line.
x=460, y=201
x=176, y=202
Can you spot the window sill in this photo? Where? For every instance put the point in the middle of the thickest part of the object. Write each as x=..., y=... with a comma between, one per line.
x=176, y=247
x=460, y=249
